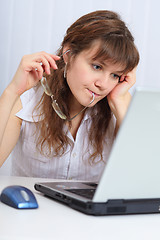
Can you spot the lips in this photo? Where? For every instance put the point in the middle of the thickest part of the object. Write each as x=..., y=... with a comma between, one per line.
x=96, y=95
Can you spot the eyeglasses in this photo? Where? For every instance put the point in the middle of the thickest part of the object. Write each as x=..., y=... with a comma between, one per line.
x=55, y=105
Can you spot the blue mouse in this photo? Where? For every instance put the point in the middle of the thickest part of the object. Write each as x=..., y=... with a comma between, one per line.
x=18, y=197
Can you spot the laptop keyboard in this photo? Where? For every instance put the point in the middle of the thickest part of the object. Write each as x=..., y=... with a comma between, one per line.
x=91, y=184
x=87, y=193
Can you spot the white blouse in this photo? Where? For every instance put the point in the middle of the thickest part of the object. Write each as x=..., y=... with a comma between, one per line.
x=74, y=164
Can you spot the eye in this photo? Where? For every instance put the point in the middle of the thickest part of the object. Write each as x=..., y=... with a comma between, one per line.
x=96, y=67
x=115, y=76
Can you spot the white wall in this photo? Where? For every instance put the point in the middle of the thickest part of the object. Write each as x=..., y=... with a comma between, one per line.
x=28, y=26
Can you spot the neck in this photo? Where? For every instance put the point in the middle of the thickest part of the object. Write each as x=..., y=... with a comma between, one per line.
x=74, y=124
x=75, y=108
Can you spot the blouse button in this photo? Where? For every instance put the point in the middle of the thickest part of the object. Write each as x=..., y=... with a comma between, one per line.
x=74, y=155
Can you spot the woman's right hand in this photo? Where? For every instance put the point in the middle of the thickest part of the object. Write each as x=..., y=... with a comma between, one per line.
x=31, y=69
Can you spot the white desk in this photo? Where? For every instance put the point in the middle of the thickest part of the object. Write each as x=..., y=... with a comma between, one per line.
x=55, y=221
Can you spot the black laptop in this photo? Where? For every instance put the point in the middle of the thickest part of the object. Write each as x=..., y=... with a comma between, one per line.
x=130, y=183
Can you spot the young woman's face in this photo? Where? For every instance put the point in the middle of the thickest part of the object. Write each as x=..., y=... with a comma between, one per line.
x=85, y=76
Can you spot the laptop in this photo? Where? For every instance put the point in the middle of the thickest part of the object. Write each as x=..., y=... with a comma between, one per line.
x=130, y=183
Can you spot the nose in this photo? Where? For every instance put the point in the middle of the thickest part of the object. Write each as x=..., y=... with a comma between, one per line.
x=102, y=82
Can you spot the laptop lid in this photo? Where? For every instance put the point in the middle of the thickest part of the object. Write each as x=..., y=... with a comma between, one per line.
x=130, y=181
x=133, y=169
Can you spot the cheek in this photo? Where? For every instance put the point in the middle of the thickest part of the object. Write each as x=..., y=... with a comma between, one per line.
x=79, y=74
x=114, y=84
x=111, y=87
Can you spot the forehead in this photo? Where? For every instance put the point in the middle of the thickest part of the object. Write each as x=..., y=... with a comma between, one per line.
x=91, y=53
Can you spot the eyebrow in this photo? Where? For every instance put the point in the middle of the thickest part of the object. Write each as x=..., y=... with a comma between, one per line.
x=118, y=72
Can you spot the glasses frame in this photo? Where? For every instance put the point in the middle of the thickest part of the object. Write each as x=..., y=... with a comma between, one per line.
x=55, y=105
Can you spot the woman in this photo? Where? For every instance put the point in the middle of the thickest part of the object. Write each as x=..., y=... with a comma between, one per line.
x=89, y=79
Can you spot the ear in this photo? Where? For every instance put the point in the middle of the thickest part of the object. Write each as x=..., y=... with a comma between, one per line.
x=66, y=50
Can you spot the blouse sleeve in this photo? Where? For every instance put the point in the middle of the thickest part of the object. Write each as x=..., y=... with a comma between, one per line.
x=29, y=101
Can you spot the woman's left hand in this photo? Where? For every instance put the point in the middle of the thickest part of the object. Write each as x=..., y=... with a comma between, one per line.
x=119, y=98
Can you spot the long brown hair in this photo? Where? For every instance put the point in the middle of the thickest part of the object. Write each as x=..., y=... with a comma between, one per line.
x=117, y=46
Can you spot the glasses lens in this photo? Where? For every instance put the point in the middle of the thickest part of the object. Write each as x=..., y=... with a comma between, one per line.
x=58, y=110
x=45, y=86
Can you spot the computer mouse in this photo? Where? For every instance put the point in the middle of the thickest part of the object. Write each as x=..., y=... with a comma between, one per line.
x=18, y=197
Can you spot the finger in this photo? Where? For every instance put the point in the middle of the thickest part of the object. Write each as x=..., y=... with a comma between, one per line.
x=122, y=78
x=45, y=64
x=52, y=60
x=131, y=78
x=46, y=60
x=55, y=57
x=37, y=67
